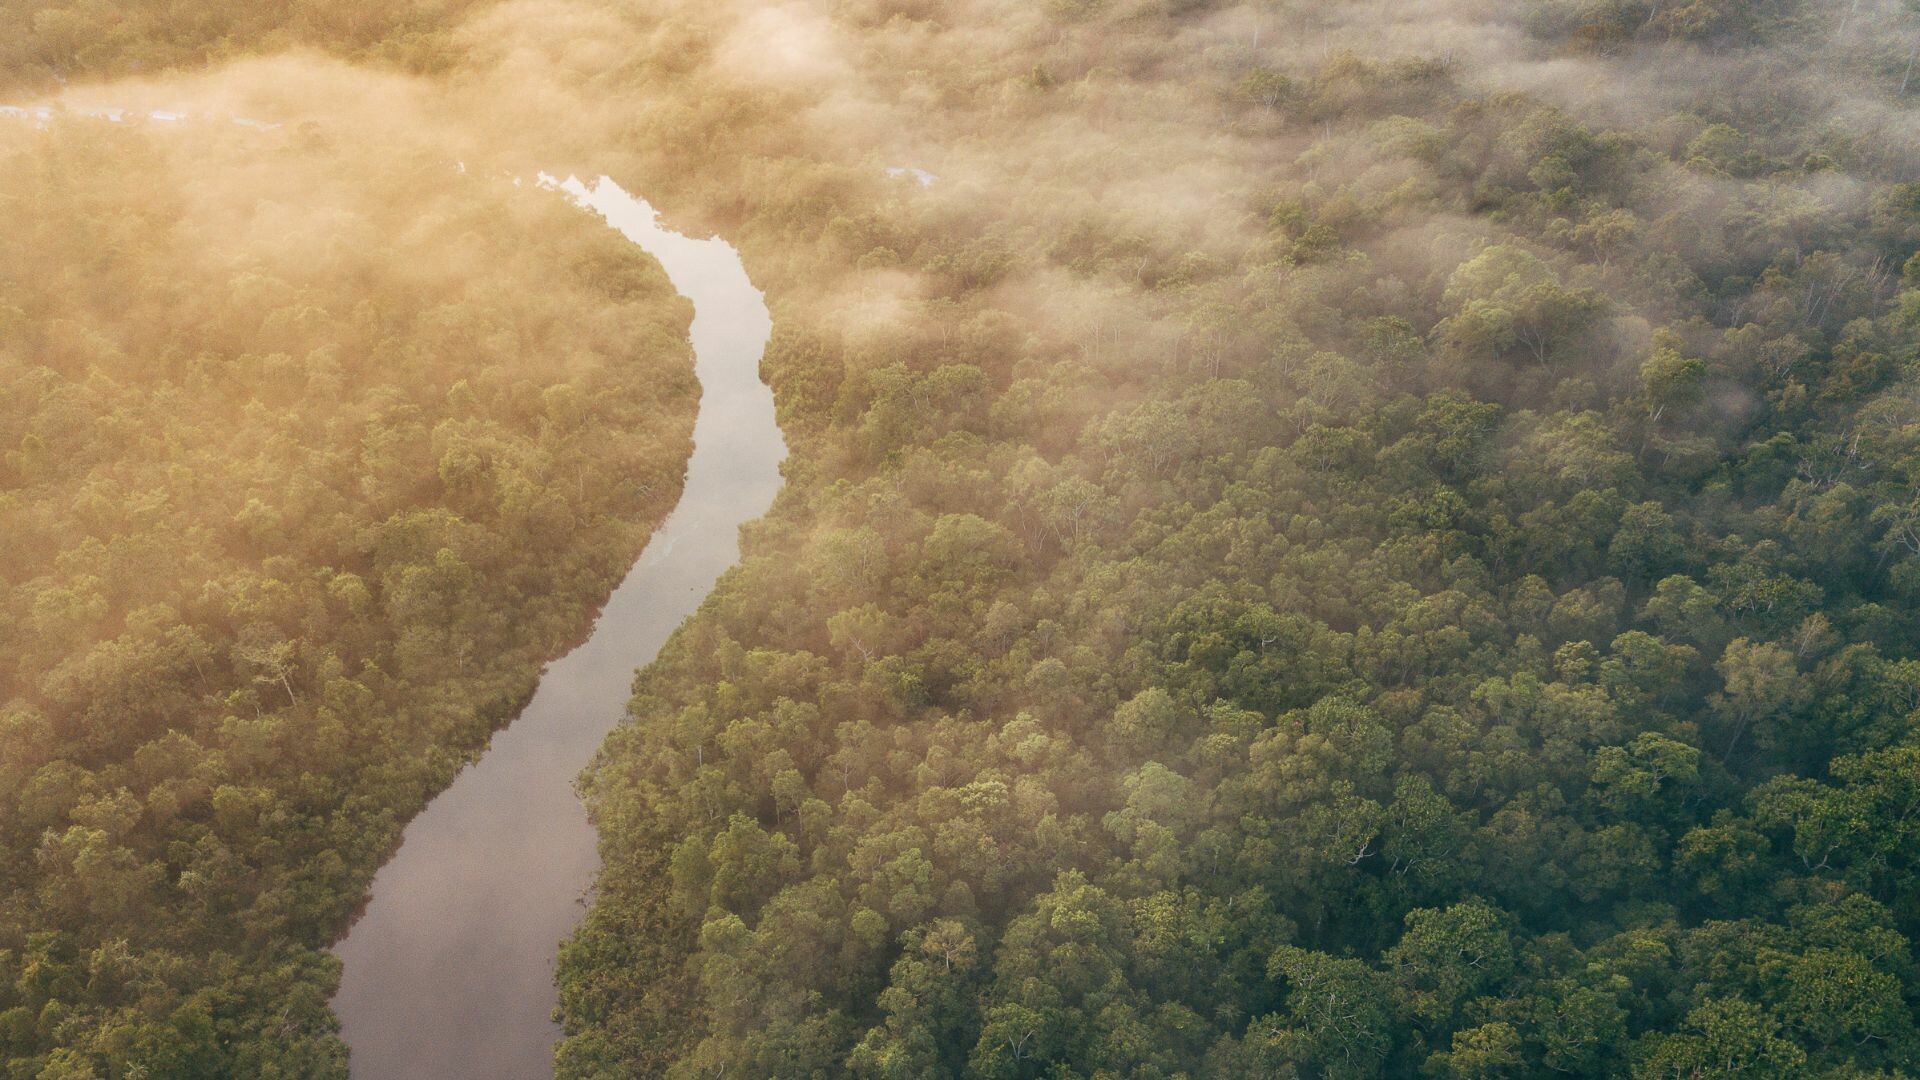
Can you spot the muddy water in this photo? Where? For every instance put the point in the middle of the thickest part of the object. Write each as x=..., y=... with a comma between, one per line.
x=450, y=972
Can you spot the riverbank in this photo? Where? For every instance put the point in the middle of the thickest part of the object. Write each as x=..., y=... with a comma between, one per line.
x=449, y=973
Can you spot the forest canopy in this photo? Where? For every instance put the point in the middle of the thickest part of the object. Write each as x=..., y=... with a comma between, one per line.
x=314, y=445
x=1373, y=539
x=1333, y=541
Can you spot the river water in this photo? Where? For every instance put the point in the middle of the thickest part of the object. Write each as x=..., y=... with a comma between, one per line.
x=449, y=974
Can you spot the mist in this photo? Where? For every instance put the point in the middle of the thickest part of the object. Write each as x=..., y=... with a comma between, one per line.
x=1283, y=496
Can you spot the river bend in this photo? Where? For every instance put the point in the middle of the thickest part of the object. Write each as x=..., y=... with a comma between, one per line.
x=449, y=974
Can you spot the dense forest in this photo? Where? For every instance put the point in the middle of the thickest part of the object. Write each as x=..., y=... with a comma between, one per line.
x=1323, y=540
x=1333, y=541
x=49, y=43
x=315, y=448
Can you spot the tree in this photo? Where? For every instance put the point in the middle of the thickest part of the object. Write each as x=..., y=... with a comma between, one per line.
x=1629, y=779
x=1448, y=956
x=1508, y=302
x=1338, y=1013
x=1490, y=1050
x=1762, y=683
x=1721, y=1038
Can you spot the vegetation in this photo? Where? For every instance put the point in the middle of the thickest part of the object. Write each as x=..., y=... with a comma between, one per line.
x=314, y=451
x=1331, y=541
x=49, y=43
x=1301, y=562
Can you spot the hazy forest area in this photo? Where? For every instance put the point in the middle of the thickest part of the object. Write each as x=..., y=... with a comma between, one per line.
x=1333, y=540
x=314, y=449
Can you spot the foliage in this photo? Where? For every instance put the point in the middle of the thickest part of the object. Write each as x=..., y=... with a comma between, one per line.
x=1303, y=557
x=314, y=450
x=1423, y=590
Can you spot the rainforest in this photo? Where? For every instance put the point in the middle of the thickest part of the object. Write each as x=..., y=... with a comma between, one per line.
x=1315, y=539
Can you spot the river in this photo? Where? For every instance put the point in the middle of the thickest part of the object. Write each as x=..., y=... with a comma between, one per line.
x=449, y=974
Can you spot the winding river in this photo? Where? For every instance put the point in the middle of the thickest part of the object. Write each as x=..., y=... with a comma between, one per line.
x=449, y=974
